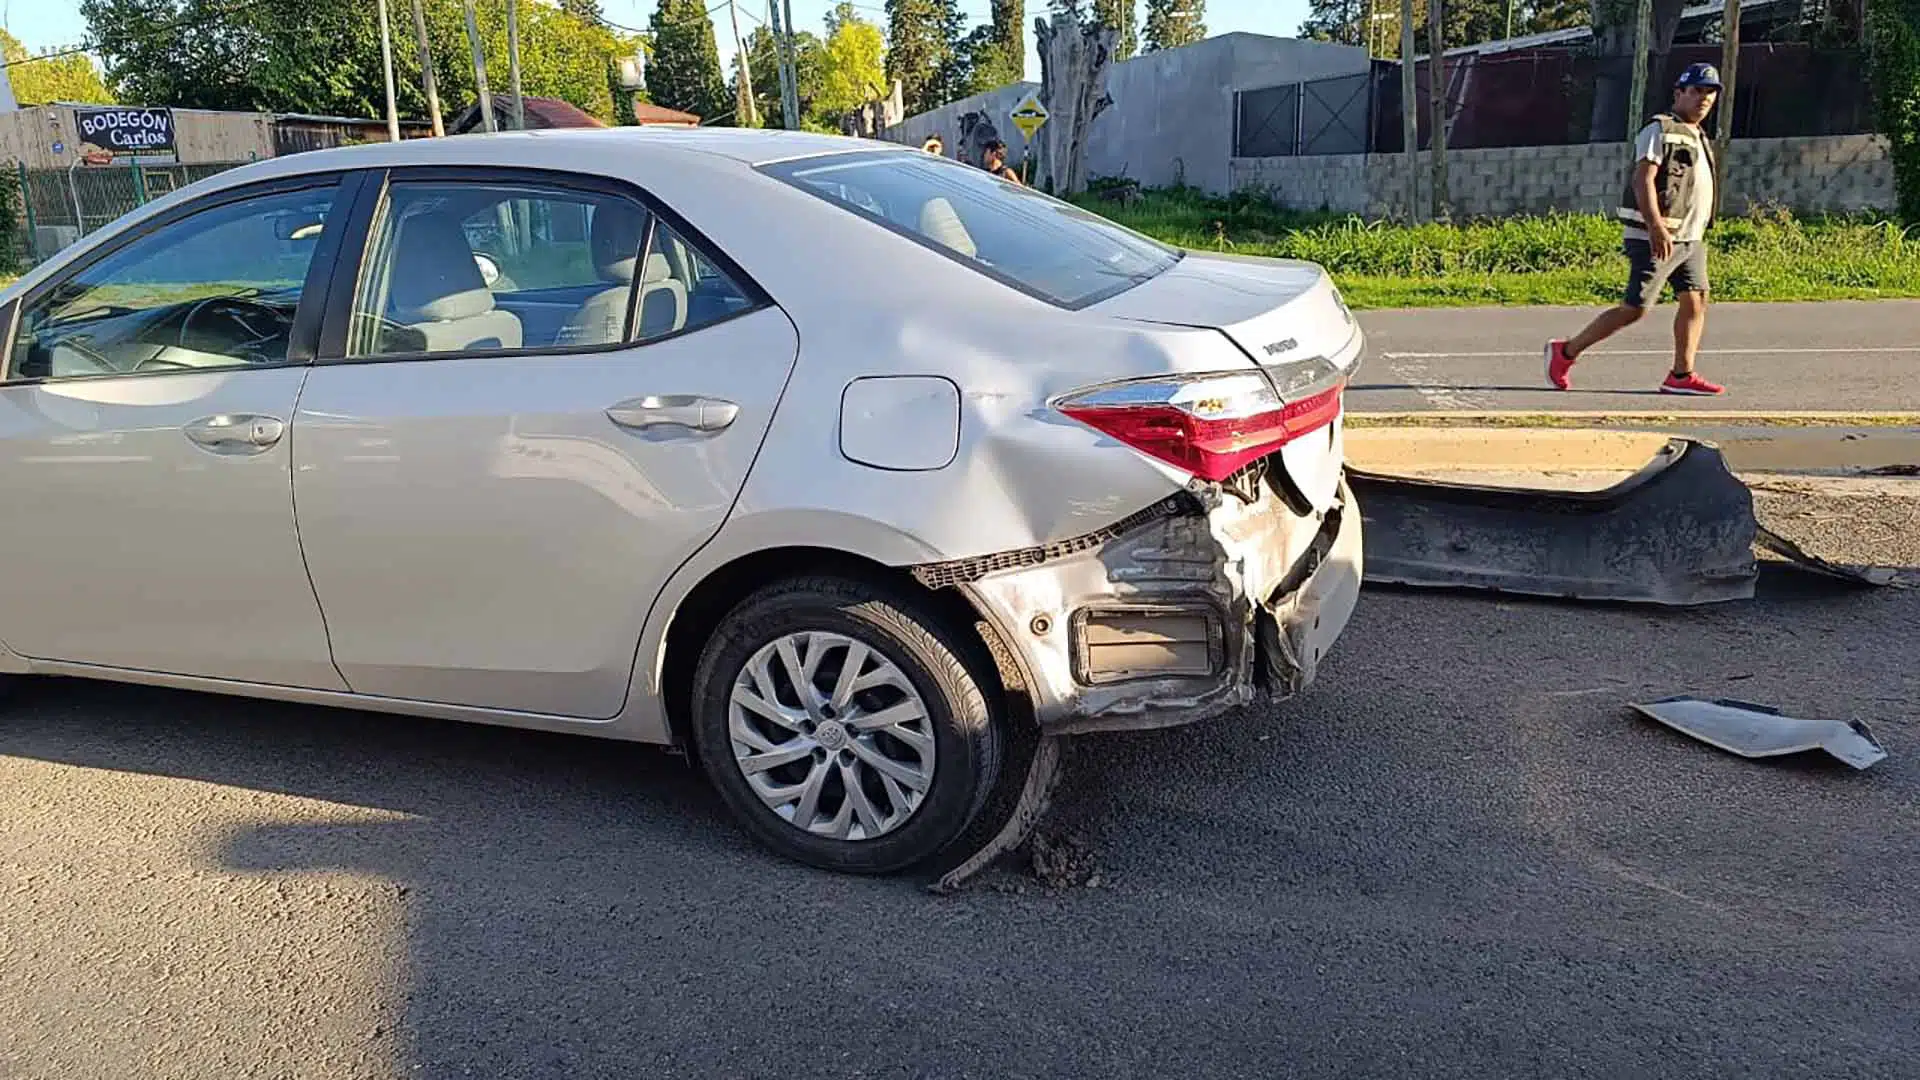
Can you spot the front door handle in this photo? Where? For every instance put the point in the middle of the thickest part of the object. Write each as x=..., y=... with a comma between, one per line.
x=236, y=433
x=674, y=410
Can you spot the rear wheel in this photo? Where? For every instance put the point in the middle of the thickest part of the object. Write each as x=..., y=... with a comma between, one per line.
x=846, y=725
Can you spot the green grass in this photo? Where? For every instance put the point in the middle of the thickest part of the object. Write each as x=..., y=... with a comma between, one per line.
x=1553, y=259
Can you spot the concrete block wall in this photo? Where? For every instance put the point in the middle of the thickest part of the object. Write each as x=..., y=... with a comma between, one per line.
x=1815, y=173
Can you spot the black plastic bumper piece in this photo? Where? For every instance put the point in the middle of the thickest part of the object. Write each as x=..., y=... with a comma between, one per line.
x=1679, y=532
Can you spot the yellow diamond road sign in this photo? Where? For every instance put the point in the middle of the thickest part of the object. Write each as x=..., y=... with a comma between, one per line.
x=1029, y=115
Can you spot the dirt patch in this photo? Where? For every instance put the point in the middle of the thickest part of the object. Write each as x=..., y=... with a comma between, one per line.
x=1063, y=860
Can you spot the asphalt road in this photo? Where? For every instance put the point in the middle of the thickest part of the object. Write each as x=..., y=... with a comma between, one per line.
x=1457, y=856
x=1771, y=357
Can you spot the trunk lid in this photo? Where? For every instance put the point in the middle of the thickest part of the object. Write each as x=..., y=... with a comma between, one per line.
x=1286, y=317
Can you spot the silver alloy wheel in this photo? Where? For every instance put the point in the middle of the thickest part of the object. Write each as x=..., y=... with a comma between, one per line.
x=831, y=735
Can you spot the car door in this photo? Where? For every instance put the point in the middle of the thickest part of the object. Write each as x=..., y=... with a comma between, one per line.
x=144, y=454
x=490, y=498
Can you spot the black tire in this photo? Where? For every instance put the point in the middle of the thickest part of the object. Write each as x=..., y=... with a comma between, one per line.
x=948, y=668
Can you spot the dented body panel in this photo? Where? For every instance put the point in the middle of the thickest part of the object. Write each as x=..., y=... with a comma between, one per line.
x=1280, y=585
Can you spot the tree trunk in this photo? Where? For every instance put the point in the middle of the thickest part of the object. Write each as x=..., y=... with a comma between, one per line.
x=1074, y=61
x=1729, y=68
x=1614, y=118
x=1437, y=91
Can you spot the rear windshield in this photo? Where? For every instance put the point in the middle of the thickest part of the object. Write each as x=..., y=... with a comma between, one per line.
x=1036, y=243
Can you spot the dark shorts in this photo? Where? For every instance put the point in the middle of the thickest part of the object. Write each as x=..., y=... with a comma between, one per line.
x=1686, y=269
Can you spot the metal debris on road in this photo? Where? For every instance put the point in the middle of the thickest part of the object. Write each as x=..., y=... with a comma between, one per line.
x=1760, y=731
x=1680, y=532
x=1020, y=797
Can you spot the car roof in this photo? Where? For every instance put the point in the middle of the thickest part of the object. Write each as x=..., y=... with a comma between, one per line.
x=577, y=149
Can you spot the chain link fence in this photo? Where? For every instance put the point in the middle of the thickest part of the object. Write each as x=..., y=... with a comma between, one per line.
x=59, y=206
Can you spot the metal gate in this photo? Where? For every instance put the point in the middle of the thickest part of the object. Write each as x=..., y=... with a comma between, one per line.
x=1267, y=122
x=1336, y=115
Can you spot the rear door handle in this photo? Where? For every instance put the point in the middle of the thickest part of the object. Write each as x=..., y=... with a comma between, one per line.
x=674, y=410
x=236, y=433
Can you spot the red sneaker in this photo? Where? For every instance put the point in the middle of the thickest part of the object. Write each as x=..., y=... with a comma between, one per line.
x=1559, y=365
x=1691, y=383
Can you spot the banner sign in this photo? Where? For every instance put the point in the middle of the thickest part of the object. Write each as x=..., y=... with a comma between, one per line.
x=126, y=131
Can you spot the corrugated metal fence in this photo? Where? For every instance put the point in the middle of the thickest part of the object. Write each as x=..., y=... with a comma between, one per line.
x=1545, y=97
x=62, y=205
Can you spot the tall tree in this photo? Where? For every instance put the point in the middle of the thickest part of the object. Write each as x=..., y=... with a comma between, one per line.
x=922, y=36
x=986, y=63
x=685, y=72
x=1120, y=16
x=323, y=56
x=853, y=68
x=1466, y=22
x=1009, y=19
x=41, y=80
x=1173, y=23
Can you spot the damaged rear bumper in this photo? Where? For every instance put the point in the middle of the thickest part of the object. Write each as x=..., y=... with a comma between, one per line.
x=1197, y=605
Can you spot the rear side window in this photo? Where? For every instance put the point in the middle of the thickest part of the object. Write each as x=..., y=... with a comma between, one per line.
x=1028, y=239
x=458, y=267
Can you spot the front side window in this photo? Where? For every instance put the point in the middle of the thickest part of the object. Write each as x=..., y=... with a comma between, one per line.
x=455, y=266
x=217, y=289
x=1028, y=239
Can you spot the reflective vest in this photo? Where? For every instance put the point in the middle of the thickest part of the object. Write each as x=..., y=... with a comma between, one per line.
x=1683, y=146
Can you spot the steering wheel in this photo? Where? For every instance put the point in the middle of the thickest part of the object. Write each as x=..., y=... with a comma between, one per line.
x=246, y=344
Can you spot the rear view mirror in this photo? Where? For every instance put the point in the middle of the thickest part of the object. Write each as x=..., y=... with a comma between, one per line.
x=296, y=226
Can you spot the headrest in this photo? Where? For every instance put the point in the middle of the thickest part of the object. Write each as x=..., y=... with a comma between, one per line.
x=434, y=277
x=658, y=269
x=617, y=232
x=940, y=224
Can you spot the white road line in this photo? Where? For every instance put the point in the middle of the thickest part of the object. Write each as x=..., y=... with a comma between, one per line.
x=1411, y=368
x=1725, y=351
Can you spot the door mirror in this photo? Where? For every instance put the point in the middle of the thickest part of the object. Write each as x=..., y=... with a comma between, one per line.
x=489, y=270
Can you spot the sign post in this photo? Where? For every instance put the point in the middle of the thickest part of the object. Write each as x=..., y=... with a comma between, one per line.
x=1028, y=115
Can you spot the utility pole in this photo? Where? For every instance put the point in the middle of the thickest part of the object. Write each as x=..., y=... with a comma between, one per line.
x=1637, y=95
x=426, y=68
x=1729, y=63
x=1409, y=111
x=793, y=72
x=744, y=106
x=513, y=65
x=789, y=94
x=480, y=71
x=386, y=69
x=1437, y=92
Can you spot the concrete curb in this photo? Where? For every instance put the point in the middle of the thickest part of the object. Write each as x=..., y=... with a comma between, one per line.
x=1632, y=420
x=1418, y=451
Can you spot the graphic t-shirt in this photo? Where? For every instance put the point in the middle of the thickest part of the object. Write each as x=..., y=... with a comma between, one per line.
x=1693, y=227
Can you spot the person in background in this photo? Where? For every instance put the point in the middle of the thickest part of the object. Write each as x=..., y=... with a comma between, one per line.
x=934, y=146
x=1665, y=211
x=994, y=155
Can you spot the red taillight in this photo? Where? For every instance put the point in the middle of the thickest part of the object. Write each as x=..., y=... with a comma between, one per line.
x=1211, y=425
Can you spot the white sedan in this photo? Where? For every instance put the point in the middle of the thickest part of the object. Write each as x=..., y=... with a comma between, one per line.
x=829, y=461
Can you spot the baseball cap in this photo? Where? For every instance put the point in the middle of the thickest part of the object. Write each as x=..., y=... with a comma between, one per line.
x=1699, y=75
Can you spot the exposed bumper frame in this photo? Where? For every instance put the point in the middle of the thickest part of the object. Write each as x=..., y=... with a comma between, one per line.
x=1282, y=586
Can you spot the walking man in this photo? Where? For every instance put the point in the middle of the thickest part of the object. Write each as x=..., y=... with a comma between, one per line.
x=1665, y=210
